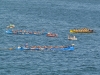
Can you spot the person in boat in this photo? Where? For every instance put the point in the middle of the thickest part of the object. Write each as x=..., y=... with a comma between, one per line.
x=55, y=46
x=20, y=32
x=45, y=47
x=26, y=45
x=19, y=47
x=15, y=31
x=50, y=47
x=33, y=47
x=35, y=32
x=51, y=34
x=11, y=26
x=24, y=31
x=61, y=46
x=38, y=46
x=30, y=32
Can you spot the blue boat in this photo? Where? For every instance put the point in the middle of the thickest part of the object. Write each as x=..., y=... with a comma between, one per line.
x=10, y=30
x=71, y=48
x=20, y=32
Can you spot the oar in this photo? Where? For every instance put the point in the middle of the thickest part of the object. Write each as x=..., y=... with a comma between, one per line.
x=11, y=48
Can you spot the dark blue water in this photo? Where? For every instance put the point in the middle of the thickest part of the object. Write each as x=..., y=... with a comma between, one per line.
x=57, y=16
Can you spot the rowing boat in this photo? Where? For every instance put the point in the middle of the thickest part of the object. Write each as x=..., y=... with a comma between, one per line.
x=10, y=30
x=20, y=32
x=82, y=30
x=71, y=37
x=71, y=47
x=51, y=34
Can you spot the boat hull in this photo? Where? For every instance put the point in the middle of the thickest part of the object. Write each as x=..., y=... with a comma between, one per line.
x=84, y=30
x=65, y=48
x=23, y=33
x=72, y=38
x=72, y=31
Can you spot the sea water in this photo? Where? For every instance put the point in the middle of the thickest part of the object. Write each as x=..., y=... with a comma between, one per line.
x=57, y=16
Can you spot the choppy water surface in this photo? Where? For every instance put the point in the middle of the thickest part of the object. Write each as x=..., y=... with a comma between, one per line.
x=53, y=16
